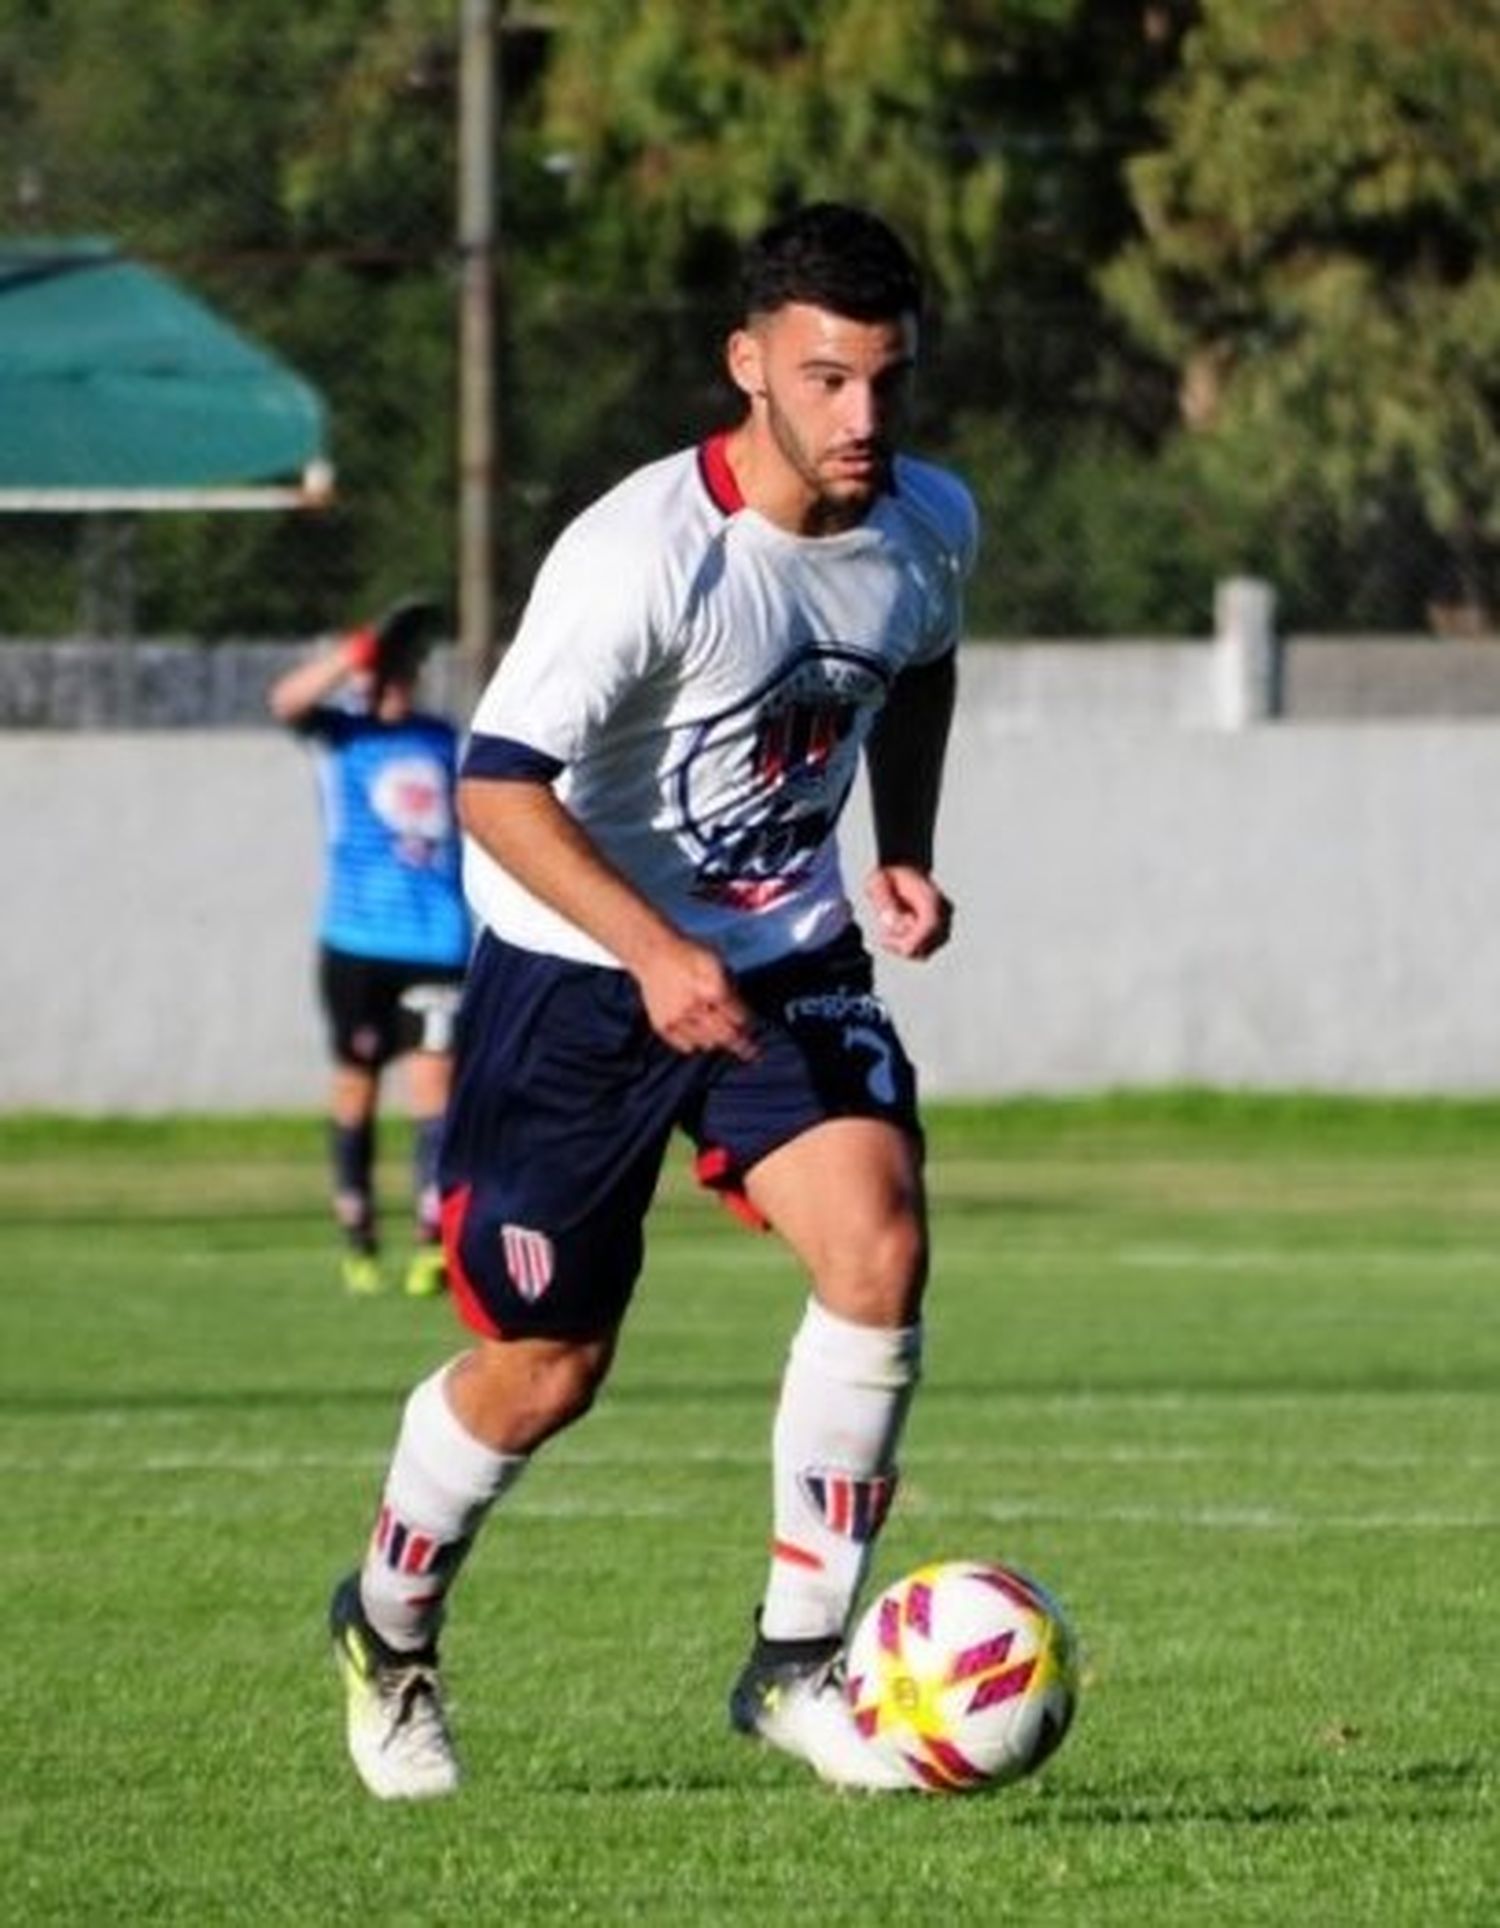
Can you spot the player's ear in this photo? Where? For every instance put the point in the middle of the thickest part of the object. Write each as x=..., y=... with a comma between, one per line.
x=745, y=362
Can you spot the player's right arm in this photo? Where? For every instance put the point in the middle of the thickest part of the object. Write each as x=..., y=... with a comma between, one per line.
x=298, y=692
x=689, y=995
x=589, y=640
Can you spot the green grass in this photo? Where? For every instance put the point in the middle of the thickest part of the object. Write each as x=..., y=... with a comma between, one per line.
x=1223, y=1372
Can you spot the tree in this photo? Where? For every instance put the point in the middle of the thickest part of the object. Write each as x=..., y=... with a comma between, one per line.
x=1320, y=262
x=992, y=132
x=292, y=164
x=296, y=164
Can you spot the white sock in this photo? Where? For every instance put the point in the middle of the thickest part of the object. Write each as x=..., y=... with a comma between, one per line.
x=844, y=1397
x=441, y=1483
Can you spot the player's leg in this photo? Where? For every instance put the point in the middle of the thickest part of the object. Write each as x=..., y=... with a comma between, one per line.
x=847, y=1197
x=357, y=1045
x=819, y=1137
x=429, y=1005
x=467, y=1434
x=542, y=1235
x=352, y=1137
x=429, y=1077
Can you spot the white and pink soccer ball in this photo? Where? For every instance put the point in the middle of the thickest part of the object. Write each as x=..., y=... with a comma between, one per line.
x=965, y=1673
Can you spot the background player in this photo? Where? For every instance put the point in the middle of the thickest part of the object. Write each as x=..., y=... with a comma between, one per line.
x=394, y=930
x=650, y=795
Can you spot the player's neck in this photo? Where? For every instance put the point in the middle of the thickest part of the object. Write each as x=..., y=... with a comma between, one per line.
x=769, y=484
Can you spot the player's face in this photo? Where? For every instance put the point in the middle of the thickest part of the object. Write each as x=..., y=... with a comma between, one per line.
x=831, y=392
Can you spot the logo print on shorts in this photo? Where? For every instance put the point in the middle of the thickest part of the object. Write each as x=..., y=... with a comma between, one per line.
x=528, y=1259
x=880, y=1080
x=854, y=1507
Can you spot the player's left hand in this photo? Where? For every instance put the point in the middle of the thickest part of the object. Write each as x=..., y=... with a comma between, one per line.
x=912, y=916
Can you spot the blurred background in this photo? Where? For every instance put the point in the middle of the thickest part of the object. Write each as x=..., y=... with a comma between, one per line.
x=1215, y=284
x=304, y=308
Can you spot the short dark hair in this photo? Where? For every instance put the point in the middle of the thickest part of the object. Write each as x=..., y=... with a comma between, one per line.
x=833, y=256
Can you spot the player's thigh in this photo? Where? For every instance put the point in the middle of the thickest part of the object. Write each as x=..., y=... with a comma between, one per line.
x=562, y=1104
x=428, y=998
x=515, y=1393
x=361, y=1006
x=426, y=1011
x=848, y=1197
x=820, y=1133
x=429, y=1077
x=355, y=1094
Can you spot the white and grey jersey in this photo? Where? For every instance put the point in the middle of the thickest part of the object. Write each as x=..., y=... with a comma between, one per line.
x=698, y=684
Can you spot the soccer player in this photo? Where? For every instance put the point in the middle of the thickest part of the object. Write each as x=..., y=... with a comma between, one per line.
x=394, y=930
x=650, y=796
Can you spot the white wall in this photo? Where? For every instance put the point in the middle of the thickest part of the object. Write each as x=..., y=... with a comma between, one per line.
x=1288, y=907
x=158, y=891
x=1139, y=904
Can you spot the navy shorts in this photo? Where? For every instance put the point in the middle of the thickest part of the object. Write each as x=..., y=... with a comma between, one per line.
x=378, y=1009
x=564, y=1100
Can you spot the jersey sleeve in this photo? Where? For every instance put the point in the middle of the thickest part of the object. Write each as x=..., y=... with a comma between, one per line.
x=589, y=633
x=324, y=723
x=946, y=513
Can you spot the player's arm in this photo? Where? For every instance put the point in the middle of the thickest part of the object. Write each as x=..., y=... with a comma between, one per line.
x=302, y=688
x=690, y=997
x=904, y=756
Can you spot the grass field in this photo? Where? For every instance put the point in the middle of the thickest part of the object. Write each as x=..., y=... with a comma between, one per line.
x=1223, y=1372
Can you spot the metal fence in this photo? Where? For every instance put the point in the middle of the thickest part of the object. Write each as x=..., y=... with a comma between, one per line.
x=1033, y=685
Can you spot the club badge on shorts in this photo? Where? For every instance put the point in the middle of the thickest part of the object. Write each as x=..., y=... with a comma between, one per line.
x=529, y=1259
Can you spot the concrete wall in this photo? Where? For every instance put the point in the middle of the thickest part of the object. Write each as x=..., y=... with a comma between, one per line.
x=1300, y=906
x=158, y=890
x=1141, y=900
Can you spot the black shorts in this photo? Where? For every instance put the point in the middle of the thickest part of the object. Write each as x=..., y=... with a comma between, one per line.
x=378, y=1009
x=564, y=1100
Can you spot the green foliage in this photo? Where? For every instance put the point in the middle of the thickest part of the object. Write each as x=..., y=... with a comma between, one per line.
x=293, y=165
x=1276, y=217
x=685, y=121
x=1321, y=258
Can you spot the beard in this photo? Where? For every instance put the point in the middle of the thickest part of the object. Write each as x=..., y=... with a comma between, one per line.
x=841, y=499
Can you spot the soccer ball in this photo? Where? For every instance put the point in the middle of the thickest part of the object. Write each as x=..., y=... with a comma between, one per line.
x=966, y=1673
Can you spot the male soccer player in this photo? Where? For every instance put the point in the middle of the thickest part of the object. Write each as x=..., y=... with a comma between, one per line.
x=394, y=930
x=650, y=795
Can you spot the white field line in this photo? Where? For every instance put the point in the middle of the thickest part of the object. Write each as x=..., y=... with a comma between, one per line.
x=1270, y=1258
x=558, y=1506
x=624, y=1507
x=276, y=1460
x=1225, y=1519
x=1011, y=1402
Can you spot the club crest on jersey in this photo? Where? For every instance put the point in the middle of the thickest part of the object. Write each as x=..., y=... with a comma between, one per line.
x=854, y=1507
x=761, y=786
x=410, y=797
x=529, y=1259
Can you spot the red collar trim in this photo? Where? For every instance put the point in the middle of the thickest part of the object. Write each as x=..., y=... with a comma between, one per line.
x=718, y=476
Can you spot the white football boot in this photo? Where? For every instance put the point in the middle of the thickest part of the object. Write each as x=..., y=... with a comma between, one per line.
x=398, y=1738
x=791, y=1694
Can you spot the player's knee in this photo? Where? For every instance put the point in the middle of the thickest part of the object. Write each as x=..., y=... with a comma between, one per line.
x=874, y=1272
x=518, y=1393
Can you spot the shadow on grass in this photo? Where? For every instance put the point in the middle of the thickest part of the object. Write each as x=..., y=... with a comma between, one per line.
x=1430, y=1790
x=41, y=1402
x=722, y=1393
x=205, y=1222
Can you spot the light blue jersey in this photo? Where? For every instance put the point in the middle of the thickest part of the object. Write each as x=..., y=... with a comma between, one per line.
x=393, y=887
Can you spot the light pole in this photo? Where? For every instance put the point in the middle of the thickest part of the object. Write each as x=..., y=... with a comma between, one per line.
x=478, y=427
